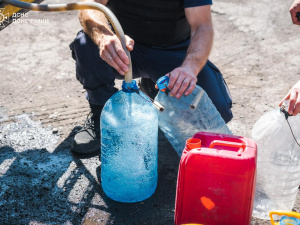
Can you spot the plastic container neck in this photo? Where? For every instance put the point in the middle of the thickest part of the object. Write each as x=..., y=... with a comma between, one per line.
x=193, y=143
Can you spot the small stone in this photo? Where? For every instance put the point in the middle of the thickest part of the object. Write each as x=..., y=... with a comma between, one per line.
x=54, y=131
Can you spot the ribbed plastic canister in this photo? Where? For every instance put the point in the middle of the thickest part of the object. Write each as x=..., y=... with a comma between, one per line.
x=129, y=140
x=278, y=163
x=184, y=117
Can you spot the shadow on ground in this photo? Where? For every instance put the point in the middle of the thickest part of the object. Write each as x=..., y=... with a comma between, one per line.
x=58, y=187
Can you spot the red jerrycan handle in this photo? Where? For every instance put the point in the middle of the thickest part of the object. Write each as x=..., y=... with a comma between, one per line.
x=227, y=143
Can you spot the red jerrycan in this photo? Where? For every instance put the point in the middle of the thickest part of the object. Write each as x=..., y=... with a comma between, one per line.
x=216, y=180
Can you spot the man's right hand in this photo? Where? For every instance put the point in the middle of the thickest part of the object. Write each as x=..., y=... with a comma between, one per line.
x=293, y=10
x=112, y=52
x=294, y=99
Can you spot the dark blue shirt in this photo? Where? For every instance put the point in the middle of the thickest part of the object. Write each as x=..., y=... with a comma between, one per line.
x=155, y=22
x=194, y=3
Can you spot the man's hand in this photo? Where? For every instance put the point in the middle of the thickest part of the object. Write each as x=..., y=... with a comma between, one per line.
x=96, y=26
x=294, y=99
x=293, y=10
x=112, y=52
x=182, y=81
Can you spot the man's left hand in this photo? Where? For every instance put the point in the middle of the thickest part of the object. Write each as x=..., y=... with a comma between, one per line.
x=293, y=10
x=182, y=81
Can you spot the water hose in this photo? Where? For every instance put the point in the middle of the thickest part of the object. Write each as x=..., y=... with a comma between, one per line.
x=80, y=6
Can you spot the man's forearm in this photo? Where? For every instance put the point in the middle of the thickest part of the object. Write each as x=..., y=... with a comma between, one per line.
x=199, y=49
x=94, y=24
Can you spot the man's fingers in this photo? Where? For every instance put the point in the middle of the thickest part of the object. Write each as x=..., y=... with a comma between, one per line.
x=191, y=88
x=121, y=53
x=112, y=52
x=119, y=59
x=176, y=86
x=121, y=66
x=294, y=10
x=285, y=98
x=117, y=48
x=129, y=43
x=293, y=15
x=293, y=99
x=294, y=18
x=173, y=78
x=183, y=87
x=111, y=61
x=297, y=106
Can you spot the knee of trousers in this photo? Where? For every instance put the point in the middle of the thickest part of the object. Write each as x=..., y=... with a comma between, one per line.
x=212, y=81
x=96, y=76
x=91, y=71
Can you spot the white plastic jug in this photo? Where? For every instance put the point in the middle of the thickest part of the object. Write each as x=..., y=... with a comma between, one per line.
x=278, y=167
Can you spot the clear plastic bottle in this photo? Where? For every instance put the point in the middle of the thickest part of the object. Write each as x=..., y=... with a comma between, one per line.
x=278, y=163
x=184, y=117
x=129, y=140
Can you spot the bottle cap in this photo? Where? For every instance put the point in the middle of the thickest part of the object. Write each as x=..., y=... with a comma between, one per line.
x=193, y=143
x=129, y=87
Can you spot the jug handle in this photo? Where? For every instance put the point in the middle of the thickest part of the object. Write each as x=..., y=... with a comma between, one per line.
x=283, y=213
x=227, y=143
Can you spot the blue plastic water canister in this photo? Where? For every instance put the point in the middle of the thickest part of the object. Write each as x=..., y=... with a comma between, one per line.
x=184, y=117
x=129, y=140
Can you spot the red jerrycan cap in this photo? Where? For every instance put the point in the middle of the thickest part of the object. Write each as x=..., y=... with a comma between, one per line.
x=193, y=143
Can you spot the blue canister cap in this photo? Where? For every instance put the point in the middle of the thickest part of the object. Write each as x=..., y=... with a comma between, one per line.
x=162, y=83
x=129, y=87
